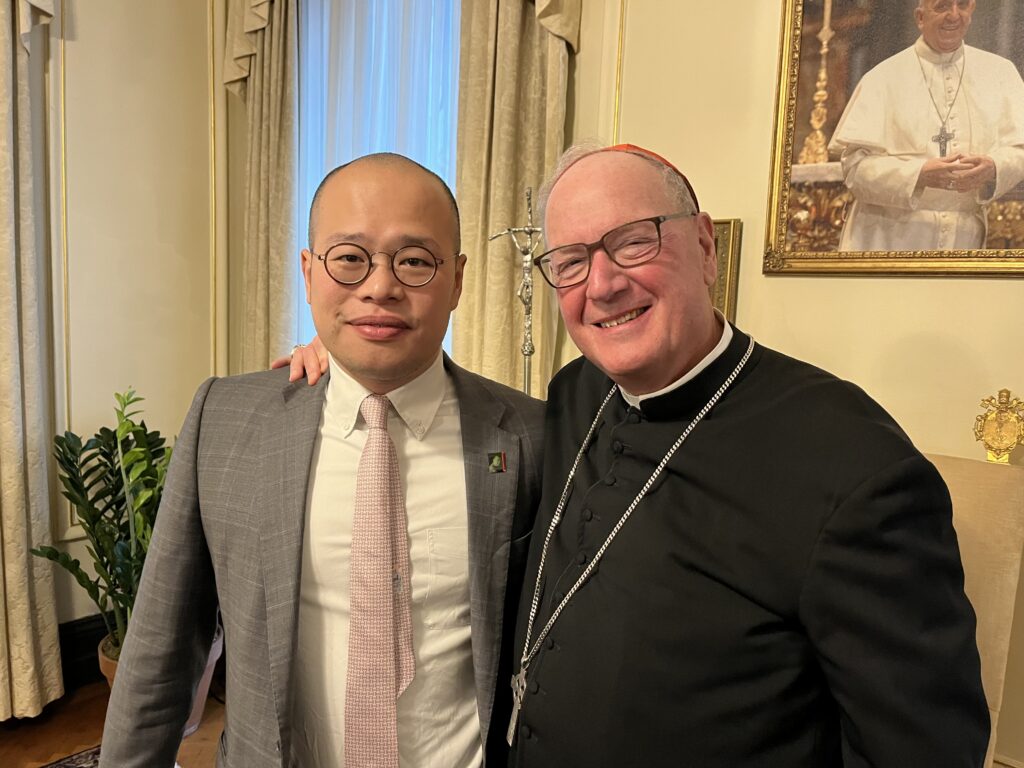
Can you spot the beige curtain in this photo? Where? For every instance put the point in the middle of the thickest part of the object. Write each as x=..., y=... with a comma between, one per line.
x=261, y=67
x=512, y=92
x=30, y=672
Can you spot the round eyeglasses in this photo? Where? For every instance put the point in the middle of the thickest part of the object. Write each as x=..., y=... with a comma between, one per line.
x=350, y=264
x=628, y=245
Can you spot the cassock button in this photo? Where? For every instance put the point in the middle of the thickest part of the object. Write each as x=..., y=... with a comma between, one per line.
x=633, y=417
x=581, y=558
x=610, y=480
x=525, y=731
x=534, y=687
x=588, y=515
x=550, y=643
x=617, y=446
x=559, y=596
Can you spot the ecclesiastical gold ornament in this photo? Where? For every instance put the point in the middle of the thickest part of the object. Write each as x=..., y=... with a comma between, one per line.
x=1001, y=427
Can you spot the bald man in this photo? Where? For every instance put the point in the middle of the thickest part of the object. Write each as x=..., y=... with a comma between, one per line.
x=261, y=518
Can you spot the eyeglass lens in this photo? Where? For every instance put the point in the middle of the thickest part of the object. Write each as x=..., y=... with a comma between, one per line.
x=627, y=246
x=349, y=264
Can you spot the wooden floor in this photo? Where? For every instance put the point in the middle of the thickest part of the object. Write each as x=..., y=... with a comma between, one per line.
x=75, y=722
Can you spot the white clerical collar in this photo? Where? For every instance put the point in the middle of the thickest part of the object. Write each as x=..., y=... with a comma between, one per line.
x=709, y=358
x=929, y=54
x=416, y=402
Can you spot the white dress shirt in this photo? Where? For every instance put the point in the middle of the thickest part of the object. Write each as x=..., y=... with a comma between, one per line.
x=438, y=723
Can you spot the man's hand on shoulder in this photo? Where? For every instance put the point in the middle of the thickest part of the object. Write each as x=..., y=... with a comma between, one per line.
x=309, y=360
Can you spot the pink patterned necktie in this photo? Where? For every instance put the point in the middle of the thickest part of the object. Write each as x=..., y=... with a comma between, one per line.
x=380, y=658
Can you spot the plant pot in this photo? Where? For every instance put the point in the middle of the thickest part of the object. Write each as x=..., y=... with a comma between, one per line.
x=108, y=667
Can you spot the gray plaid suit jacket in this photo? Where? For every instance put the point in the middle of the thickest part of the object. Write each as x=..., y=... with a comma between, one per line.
x=229, y=536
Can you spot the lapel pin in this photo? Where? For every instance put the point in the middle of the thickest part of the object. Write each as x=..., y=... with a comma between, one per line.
x=496, y=462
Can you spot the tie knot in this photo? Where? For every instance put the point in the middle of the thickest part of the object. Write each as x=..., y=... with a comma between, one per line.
x=375, y=411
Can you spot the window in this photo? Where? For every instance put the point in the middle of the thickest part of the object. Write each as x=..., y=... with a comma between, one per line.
x=376, y=76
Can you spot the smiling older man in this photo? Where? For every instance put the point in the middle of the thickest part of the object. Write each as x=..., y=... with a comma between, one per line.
x=929, y=138
x=739, y=559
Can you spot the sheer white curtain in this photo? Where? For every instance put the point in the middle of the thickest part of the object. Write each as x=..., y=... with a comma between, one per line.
x=374, y=77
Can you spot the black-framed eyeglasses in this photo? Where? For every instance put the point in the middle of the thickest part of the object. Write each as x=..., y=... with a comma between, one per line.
x=629, y=245
x=349, y=264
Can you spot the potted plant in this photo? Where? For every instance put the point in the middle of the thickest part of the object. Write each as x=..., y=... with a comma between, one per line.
x=114, y=482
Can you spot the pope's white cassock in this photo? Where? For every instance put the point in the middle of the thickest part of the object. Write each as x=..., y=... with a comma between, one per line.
x=888, y=131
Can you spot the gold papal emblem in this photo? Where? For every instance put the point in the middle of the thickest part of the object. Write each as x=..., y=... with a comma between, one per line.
x=1001, y=427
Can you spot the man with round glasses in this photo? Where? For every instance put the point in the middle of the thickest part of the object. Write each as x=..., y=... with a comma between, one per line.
x=363, y=539
x=738, y=559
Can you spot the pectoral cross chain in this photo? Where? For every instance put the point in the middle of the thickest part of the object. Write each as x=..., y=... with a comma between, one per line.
x=518, y=689
x=942, y=138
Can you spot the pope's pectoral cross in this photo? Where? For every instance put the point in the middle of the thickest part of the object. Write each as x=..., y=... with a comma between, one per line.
x=942, y=138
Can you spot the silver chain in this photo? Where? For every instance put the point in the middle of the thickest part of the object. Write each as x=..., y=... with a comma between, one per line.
x=928, y=87
x=528, y=653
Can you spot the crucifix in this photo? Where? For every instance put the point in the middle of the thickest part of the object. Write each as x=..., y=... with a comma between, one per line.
x=942, y=138
x=526, y=244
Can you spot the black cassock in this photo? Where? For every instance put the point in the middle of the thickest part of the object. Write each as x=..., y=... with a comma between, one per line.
x=788, y=593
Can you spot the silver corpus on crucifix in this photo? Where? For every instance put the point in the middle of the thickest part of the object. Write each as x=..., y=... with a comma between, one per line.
x=943, y=137
x=526, y=244
x=519, y=679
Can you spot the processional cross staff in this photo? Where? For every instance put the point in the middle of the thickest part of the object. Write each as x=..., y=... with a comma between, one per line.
x=526, y=243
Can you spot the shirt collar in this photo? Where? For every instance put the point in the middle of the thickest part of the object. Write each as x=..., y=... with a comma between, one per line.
x=416, y=402
x=709, y=358
x=927, y=53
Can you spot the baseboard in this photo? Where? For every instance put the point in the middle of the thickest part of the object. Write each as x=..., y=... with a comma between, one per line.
x=78, y=642
x=1006, y=762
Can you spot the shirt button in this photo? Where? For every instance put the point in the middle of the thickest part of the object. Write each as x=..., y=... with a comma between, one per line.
x=581, y=558
x=588, y=515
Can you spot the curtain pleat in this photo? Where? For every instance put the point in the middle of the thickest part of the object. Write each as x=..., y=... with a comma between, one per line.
x=30, y=670
x=261, y=66
x=512, y=96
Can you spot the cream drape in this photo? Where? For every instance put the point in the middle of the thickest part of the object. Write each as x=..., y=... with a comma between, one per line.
x=512, y=93
x=261, y=66
x=30, y=671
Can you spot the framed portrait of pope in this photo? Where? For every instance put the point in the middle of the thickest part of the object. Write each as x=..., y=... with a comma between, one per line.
x=899, y=138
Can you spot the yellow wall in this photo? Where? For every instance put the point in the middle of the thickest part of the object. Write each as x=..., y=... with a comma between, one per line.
x=699, y=85
x=137, y=153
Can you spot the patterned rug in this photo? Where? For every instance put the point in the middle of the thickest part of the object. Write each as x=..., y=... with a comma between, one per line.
x=89, y=758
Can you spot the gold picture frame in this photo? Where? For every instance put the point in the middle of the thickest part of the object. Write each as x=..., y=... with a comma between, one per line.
x=728, y=234
x=819, y=67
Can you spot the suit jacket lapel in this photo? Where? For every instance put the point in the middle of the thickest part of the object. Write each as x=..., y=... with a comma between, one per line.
x=287, y=447
x=491, y=502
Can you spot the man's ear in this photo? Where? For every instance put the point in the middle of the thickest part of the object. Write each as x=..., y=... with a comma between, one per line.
x=706, y=238
x=460, y=266
x=307, y=272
